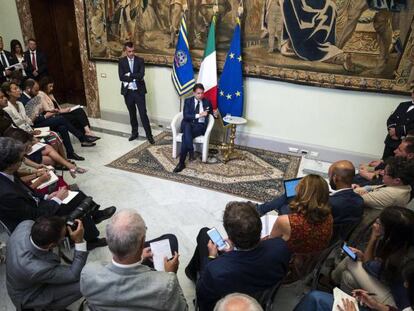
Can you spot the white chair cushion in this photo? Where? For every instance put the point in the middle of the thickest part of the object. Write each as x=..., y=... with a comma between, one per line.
x=198, y=139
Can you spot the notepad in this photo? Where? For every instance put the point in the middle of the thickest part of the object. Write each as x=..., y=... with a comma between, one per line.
x=267, y=224
x=16, y=66
x=52, y=180
x=36, y=147
x=160, y=249
x=42, y=129
x=71, y=195
x=75, y=107
x=338, y=296
x=42, y=134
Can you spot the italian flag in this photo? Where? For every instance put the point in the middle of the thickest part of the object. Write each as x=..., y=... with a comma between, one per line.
x=208, y=68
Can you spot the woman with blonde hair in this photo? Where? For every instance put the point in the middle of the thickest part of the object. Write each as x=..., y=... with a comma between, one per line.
x=308, y=227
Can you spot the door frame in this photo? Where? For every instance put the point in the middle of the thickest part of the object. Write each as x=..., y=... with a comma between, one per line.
x=89, y=73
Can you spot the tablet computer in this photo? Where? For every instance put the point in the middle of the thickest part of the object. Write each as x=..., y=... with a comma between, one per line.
x=290, y=187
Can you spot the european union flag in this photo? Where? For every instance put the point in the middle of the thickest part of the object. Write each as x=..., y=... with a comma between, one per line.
x=230, y=88
x=183, y=73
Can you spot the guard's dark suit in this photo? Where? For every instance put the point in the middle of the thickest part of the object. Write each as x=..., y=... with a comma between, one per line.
x=403, y=121
x=134, y=97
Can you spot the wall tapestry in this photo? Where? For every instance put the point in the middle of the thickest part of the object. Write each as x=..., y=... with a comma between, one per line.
x=352, y=44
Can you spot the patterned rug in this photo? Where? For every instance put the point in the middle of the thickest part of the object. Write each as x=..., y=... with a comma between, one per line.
x=258, y=177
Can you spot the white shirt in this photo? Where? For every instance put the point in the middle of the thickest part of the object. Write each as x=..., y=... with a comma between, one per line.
x=116, y=264
x=3, y=57
x=336, y=191
x=31, y=56
x=200, y=110
x=132, y=85
x=411, y=107
x=24, y=92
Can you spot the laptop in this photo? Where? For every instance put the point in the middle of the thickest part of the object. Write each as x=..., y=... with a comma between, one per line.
x=290, y=186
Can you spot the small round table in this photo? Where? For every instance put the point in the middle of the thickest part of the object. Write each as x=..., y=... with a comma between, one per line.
x=228, y=148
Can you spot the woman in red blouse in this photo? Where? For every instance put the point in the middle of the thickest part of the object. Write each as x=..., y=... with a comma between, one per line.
x=308, y=228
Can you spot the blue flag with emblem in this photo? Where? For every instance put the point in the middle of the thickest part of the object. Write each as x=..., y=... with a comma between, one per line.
x=183, y=73
x=230, y=88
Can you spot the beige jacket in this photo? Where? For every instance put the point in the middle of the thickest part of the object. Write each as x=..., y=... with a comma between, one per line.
x=19, y=116
x=381, y=197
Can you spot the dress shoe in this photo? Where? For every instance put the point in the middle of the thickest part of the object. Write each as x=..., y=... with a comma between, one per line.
x=98, y=242
x=151, y=140
x=89, y=139
x=87, y=144
x=179, y=168
x=75, y=157
x=100, y=216
x=133, y=137
x=92, y=138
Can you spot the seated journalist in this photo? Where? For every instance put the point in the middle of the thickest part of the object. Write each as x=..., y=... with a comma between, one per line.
x=247, y=266
x=18, y=202
x=35, y=276
x=129, y=282
x=346, y=205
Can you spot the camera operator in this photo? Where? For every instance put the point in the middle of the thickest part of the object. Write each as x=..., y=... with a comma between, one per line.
x=35, y=277
x=18, y=202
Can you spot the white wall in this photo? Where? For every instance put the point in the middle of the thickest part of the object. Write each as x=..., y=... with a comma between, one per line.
x=347, y=120
x=9, y=23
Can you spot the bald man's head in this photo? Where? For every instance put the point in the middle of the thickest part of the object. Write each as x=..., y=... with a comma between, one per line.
x=341, y=174
x=237, y=302
x=125, y=234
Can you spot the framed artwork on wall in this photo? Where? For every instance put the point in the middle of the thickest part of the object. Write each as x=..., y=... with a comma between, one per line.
x=350, y=44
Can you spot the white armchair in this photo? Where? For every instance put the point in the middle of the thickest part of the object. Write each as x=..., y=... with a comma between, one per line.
x=200, y=140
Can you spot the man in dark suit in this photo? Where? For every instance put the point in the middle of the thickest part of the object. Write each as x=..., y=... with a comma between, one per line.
x=19, y=202
x=35, y=277
x=6, y=60
x=195, y=119
x=247, y=266
x=26, y=95
x=399, y=123
x=131, y=70
x=347, y=206
x=36, y=61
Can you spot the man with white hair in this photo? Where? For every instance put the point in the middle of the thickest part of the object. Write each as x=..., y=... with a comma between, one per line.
x=127, y=283
x=237, y=302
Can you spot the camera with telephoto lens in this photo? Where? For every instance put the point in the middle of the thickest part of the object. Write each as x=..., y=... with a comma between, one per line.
x=84, y=208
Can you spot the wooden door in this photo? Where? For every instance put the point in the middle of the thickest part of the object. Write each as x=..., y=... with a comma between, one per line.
x=54, y=24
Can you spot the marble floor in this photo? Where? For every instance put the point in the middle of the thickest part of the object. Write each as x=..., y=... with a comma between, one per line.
x=166, y=206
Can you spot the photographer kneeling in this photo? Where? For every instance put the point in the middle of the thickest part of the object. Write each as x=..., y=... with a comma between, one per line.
x=35, y=277
x=19, y=202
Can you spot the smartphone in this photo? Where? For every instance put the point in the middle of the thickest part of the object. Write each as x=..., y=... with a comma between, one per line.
x=217, y=239
x=349, y=252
